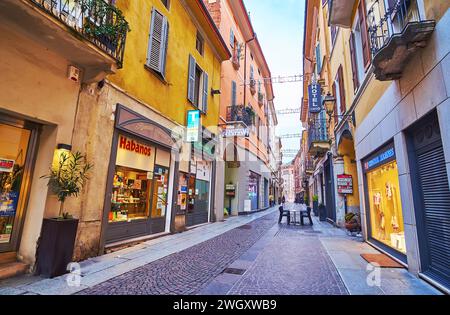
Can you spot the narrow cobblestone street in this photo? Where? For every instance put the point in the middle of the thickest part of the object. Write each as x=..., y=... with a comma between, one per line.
x=245, y=255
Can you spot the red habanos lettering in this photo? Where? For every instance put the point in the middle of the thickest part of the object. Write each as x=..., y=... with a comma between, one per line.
x=131, y=145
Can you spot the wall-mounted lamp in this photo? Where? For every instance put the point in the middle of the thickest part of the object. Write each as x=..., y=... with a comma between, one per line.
x=64, y=147
x=214, y=92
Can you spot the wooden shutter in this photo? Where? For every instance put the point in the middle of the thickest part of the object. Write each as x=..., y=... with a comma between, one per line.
x=233, y=93
x=343, y=108
x=232, y=38
x=191, y=79
x=165, y=41
x=205, y=92
x=364, y=33
x=354, y=63
x=252, y=73
x=157, y=42
x=335, y=104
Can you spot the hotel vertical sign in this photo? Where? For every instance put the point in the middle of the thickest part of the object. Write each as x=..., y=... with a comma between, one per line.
x=315, y=98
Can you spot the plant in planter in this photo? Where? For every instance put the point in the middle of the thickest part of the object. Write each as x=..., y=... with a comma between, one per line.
x=322, y=212
x=352, y=222
x=57, y=240
x=315, y=200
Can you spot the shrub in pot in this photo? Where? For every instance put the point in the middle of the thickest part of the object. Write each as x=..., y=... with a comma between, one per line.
x=352, y=222
x=57, y=240
x=315, y=205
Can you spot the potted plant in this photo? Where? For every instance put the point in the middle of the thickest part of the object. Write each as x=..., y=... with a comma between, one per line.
x=322, y=212
x=315, y=200
x=57, y=240
x=352, y=222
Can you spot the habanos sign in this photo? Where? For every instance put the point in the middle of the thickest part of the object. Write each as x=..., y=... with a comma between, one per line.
x=345, y=184
x=134, y=154
x=6, y=165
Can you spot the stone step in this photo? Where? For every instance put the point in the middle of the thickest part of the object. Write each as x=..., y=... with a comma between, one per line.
x=12, y=269
x=7, y=257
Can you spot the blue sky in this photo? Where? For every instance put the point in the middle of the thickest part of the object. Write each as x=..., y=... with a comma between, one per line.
x=279, y=27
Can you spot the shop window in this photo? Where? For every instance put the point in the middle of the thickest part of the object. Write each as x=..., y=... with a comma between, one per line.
x=386, y=218
x=13, y=152
x=131, y=189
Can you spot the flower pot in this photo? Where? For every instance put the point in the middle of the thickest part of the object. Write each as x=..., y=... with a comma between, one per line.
x=316, y=208
x=322, y=213
x=55, y=247
x=352, y=227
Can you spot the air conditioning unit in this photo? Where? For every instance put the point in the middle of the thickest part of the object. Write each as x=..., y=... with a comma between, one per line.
x=74, y=73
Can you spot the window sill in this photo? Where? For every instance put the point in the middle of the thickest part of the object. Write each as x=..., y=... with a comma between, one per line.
x=156, y=74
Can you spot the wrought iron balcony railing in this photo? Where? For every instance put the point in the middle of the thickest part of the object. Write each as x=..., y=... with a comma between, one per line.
x=308, y=165
x=396, y=31
x=384, y=21
x=240, y=113
x=317, y=131
x=95, y=20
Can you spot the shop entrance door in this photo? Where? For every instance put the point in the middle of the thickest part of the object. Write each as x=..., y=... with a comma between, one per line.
x=198, y=202
x=432, y=198
x=329, y=191
x=159, y=199
x=17, y=142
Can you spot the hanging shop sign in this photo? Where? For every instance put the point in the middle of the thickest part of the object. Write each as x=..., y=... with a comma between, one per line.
x=236, y=132
x=382, y=157
x=6, y=165
x=345, y=184
x=230, y=190
x=134, y=154
x=193, y=126
x=315, y=98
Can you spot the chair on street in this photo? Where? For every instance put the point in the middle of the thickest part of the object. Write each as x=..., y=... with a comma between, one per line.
x=306, y=214
x=284, y=213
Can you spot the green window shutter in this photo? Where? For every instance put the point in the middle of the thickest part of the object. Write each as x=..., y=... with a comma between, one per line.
x=205, y=92
x=191, y=79
x=156, y=41
x=233, y=93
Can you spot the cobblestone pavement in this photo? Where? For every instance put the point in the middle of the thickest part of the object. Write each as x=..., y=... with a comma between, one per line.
x=190, y=270
x=294, y=262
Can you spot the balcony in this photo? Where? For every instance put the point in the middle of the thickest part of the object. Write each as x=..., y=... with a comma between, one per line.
x=240, y=113
x=260, y=99
x=253, y=86
x=318, y=140
x=396, y=33
x=341, y=12
x=90, y=34
x=308, y=164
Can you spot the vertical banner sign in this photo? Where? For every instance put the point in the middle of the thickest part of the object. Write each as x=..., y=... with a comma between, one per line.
x=315, y=98
x=193, y=126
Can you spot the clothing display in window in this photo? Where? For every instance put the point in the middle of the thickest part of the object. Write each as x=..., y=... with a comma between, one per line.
x=386, y=219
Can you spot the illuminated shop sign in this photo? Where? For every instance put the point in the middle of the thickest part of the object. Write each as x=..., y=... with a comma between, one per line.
x=133, y=146
x=193, y=126
x=6, y=165
x=315, y=98
x=381, y=158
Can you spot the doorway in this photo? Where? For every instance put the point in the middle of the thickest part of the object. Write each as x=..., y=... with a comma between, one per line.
x=17, y=149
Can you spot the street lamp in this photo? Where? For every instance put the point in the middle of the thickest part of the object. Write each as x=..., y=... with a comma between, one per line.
x=328, y=103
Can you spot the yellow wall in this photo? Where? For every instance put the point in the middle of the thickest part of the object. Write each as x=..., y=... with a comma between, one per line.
x=170, y=97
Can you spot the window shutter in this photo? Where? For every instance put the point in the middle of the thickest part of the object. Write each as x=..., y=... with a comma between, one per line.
x=233, y=93
x=232, y=38
x=318, y=58
x=354, y=64
x=335, y=105
x=165, y=39
x=342, y=90
x=191, y=79
x=252, y=73
x=364, y=33
x=156, y=41
x=205, y=92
